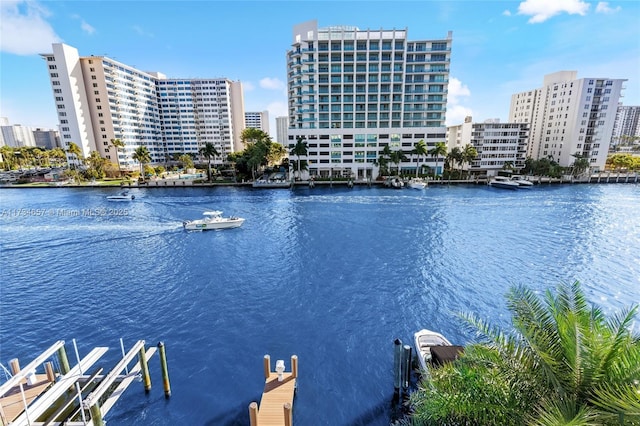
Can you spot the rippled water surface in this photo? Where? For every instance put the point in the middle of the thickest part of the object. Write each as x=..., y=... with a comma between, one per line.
x=330, y=274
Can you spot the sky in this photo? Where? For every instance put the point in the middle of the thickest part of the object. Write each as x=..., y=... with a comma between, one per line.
x=499, y=47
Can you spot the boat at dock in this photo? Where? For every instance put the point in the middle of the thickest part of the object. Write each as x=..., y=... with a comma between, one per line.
x=521, y=181
x=503, y=182
x=433, y=349
x=275, y=180
x=417, y=183
x=213, y=220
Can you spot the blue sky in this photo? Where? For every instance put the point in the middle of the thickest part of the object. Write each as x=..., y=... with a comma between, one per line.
x=499, y=47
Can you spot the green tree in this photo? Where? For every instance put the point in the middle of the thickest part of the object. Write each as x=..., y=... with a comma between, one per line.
x=97, y=165
x=469, y=153
x=117, y=144
x=454, y=157
x=439, y=150
x=209, y=151
x=8, y=157
x=580, y=164
x=299, y=149
x=275, y=153
x=398, y=157
x=419, y=150
x=565, y=363
x=186, y=160
x=142, y=156
x=75, y=150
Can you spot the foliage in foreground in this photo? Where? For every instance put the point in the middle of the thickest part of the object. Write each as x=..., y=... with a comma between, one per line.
x=566, y=363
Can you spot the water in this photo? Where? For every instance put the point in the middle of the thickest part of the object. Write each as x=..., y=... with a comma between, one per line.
x=330, y=274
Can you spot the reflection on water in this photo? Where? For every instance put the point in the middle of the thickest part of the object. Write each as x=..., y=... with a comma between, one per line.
x=330, y=274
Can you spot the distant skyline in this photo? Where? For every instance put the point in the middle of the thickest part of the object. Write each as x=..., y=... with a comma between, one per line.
x=499, y=47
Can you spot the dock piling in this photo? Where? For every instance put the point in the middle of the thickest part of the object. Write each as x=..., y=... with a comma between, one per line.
x=144, y=369
x=63, y=360
x=406, y=366
x=294, y=366
x=165, y=370
x=253, y=414
x=14, y=364
x=397, y=361
x=267, y=366
x=51, y=375
x=288, y=415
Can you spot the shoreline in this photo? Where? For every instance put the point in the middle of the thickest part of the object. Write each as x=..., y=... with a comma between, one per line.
x=617, y=178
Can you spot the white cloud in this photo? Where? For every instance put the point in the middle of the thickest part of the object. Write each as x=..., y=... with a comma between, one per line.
x=456, y=112
x=603, y=7
x=271, y=83
x=248, y=86
x=456, y=89
x=24, y=29
x=138, y=29
x=507, y=13
x=541, y=10
x=87, y=28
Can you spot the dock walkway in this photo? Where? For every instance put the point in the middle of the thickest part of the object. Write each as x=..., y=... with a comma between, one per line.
x=276, y=405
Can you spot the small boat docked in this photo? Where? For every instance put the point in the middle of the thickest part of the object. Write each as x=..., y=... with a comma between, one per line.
x=123, y=196
x=503, y=182
x=433, y=349
x=275, y=180
x=213, y=220
x=394, y=182
x=521, y=181
x=417, y=183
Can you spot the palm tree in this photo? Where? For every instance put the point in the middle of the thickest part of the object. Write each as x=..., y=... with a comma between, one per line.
x=8, y=156
x=398, y=157
x=454, y=156
x=565, y=364
x=117, y=144
x=469, y=153
x=142, y=156
x=299, y=149
x=74, y=150
x=208, y=151
x=419, y=150
x=580, y=164
x=439, y=150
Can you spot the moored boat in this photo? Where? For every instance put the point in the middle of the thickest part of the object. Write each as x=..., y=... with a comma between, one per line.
x=417, y=183
x=521, y=181
x=213, y=220
x=503, y=182
x=433, y=349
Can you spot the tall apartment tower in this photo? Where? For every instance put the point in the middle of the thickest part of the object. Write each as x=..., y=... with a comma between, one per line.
x=569, y=116
x=282, y=123
x=627, y=124
x=353, y=92
x=257, y=120
x=99, y=99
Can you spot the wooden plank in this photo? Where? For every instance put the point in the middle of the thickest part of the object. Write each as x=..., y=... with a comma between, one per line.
x=12, y=404
x=15, y=380
x=57, y=390
x=274, y=396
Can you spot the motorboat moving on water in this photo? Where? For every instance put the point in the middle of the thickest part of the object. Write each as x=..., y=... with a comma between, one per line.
x=123, y=196
x=213, y=220
x=433, y=349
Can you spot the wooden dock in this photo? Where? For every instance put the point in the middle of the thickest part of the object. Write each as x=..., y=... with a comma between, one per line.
x=276, y=404
x=69, y=395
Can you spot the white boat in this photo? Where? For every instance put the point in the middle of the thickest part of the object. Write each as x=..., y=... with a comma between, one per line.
x=433, y=349
x=213, y=220
x=123, y=196
x=417, y=183
x=503, y=182
x=394, y=182
x=275, y=180
x=521, y=181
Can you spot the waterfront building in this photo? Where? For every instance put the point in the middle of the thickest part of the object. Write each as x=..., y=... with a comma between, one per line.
x=499, y=145
x=627, y=125
x=257, y=120
x=17, y=136
x=569, y=116
x=353, y=92
x=99, y=99
x=282, y=123
x=46, y=138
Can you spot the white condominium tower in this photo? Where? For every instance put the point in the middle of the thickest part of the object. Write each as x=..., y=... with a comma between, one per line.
x=99, y=99
x=627, y=125
x=257, y=120
x=353, y=92
x=569, y=116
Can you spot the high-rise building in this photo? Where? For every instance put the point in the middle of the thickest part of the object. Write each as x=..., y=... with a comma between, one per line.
x=627, y=125
x=257, y=120
x=99, y=99
x=281, y=130
x=353, y=92
x=498, y=145
x=568, y=117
